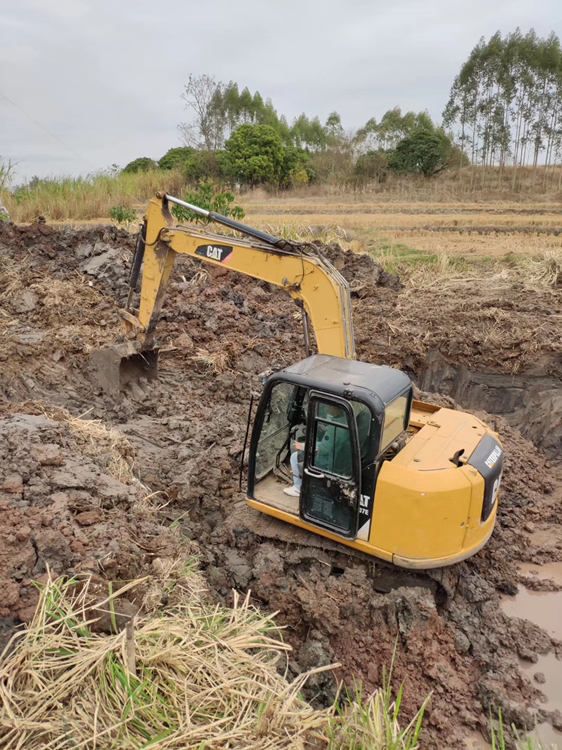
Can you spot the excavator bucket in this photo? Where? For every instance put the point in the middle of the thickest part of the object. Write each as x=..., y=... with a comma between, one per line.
x=114, y=367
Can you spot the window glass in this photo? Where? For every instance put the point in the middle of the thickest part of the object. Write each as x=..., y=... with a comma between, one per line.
x=394, y=417
x=331, y=412
x=332, y=440
x=275, y=428
x=363, y=418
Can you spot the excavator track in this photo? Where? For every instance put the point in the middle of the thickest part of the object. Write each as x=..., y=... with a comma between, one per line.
x=385, y=577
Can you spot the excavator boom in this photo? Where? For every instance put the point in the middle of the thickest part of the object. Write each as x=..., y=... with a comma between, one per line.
x=313, y=282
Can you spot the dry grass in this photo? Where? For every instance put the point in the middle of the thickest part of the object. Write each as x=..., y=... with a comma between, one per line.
x=546, y=270
x=89, y=197
x=187, y=676
x=307, y=233
x=412, y=221
x=212, y=361
x=475, y=245
x=97, y=440
x=478, y=185
x=492, y=234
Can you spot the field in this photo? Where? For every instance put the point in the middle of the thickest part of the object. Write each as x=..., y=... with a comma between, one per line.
x=120, y=487
x=471, y=231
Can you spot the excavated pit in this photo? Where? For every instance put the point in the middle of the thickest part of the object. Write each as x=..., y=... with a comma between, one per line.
x=60, y=293
x=530, y=403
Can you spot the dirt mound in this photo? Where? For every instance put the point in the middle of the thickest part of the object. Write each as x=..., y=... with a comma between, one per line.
x=60, y=296
x=69, y=502
x=360, y=270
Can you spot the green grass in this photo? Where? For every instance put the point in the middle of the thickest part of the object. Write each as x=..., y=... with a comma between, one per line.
x=401, y=259
x=499, y=738
x=371, y=722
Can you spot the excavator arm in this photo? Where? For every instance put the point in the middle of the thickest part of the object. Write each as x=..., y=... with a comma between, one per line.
x=308, y=278
x=311, y=280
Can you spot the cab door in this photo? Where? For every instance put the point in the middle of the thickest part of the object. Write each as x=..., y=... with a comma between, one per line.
x=331, y=485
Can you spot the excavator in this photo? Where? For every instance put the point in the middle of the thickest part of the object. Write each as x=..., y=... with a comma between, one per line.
x=388, y=476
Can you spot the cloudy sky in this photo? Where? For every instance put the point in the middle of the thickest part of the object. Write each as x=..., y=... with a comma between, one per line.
x=104, y=77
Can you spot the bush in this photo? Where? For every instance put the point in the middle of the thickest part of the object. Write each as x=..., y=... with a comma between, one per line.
x=254, y=155
x=208, y=197
x=143, y=164
x=295, y=168
x=422, y=152
x=203, y=165
x=122, y=215
x=373, y=166
x=175, y=157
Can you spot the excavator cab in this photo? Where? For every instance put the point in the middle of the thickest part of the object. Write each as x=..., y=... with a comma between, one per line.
x=350, y=413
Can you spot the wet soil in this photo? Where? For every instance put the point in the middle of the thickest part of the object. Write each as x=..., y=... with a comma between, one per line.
x=60, y=292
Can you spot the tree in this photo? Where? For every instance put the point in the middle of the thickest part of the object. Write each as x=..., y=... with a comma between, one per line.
x=393, y=127
x=203, y=96
x=295, y=168
x=142, y=164
x=7, y=169
x=506, y=102
x=175, y=157
x=203, y=165
x=422, y=152
x=207, y=195
x=373, y=166
x=254, y=155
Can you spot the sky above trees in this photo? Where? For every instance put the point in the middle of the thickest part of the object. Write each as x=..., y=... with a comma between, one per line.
x=105, y=78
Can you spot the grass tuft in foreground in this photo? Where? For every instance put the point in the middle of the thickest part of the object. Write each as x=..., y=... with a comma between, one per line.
x=189, y=675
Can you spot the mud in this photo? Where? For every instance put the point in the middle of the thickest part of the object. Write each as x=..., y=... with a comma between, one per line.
x=530, y=403
x=60, y=293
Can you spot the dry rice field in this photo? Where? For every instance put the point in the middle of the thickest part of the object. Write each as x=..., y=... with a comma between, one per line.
x=470, y=229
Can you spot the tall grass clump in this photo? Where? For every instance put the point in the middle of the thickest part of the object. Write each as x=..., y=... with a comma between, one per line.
x=91, y=197
x=186, y=675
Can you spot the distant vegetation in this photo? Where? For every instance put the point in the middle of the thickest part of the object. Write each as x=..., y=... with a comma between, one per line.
x=501, y=136
x=506, y=103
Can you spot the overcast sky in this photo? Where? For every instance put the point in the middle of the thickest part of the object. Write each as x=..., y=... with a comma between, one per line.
x=105, y=76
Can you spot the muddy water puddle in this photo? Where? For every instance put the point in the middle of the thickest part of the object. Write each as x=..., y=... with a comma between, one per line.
x=476, y=741
x=548, y=736
x=552, y=571
x=544, y=608
x=551, y=667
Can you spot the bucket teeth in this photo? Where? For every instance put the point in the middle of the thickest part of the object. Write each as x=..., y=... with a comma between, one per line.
x=114, y=367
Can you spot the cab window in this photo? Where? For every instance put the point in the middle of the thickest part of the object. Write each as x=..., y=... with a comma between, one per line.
x=332, y=440
x=363, y=418
x=394, y=420
x=275, y=428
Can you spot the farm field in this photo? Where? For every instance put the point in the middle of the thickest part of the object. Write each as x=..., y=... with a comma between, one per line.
x=471, y=230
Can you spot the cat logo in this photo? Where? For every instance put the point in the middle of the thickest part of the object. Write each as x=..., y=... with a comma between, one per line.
x=220, y=253
x=364, y=505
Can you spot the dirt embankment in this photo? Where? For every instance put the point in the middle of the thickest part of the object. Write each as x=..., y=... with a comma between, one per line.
x=60, y=294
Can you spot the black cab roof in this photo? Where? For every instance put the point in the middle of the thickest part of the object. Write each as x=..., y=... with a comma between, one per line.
x=349, y=378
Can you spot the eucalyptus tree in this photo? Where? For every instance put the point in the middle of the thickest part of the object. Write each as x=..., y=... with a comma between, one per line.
x=506, y=102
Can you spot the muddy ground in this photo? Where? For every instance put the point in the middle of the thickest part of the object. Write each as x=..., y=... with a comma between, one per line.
x=72, y=497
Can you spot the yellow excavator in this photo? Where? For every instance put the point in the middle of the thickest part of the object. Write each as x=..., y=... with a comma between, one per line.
x=405, y=481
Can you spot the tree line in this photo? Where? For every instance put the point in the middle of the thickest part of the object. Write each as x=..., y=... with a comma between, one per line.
x=504, y=109
x=505, y=106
